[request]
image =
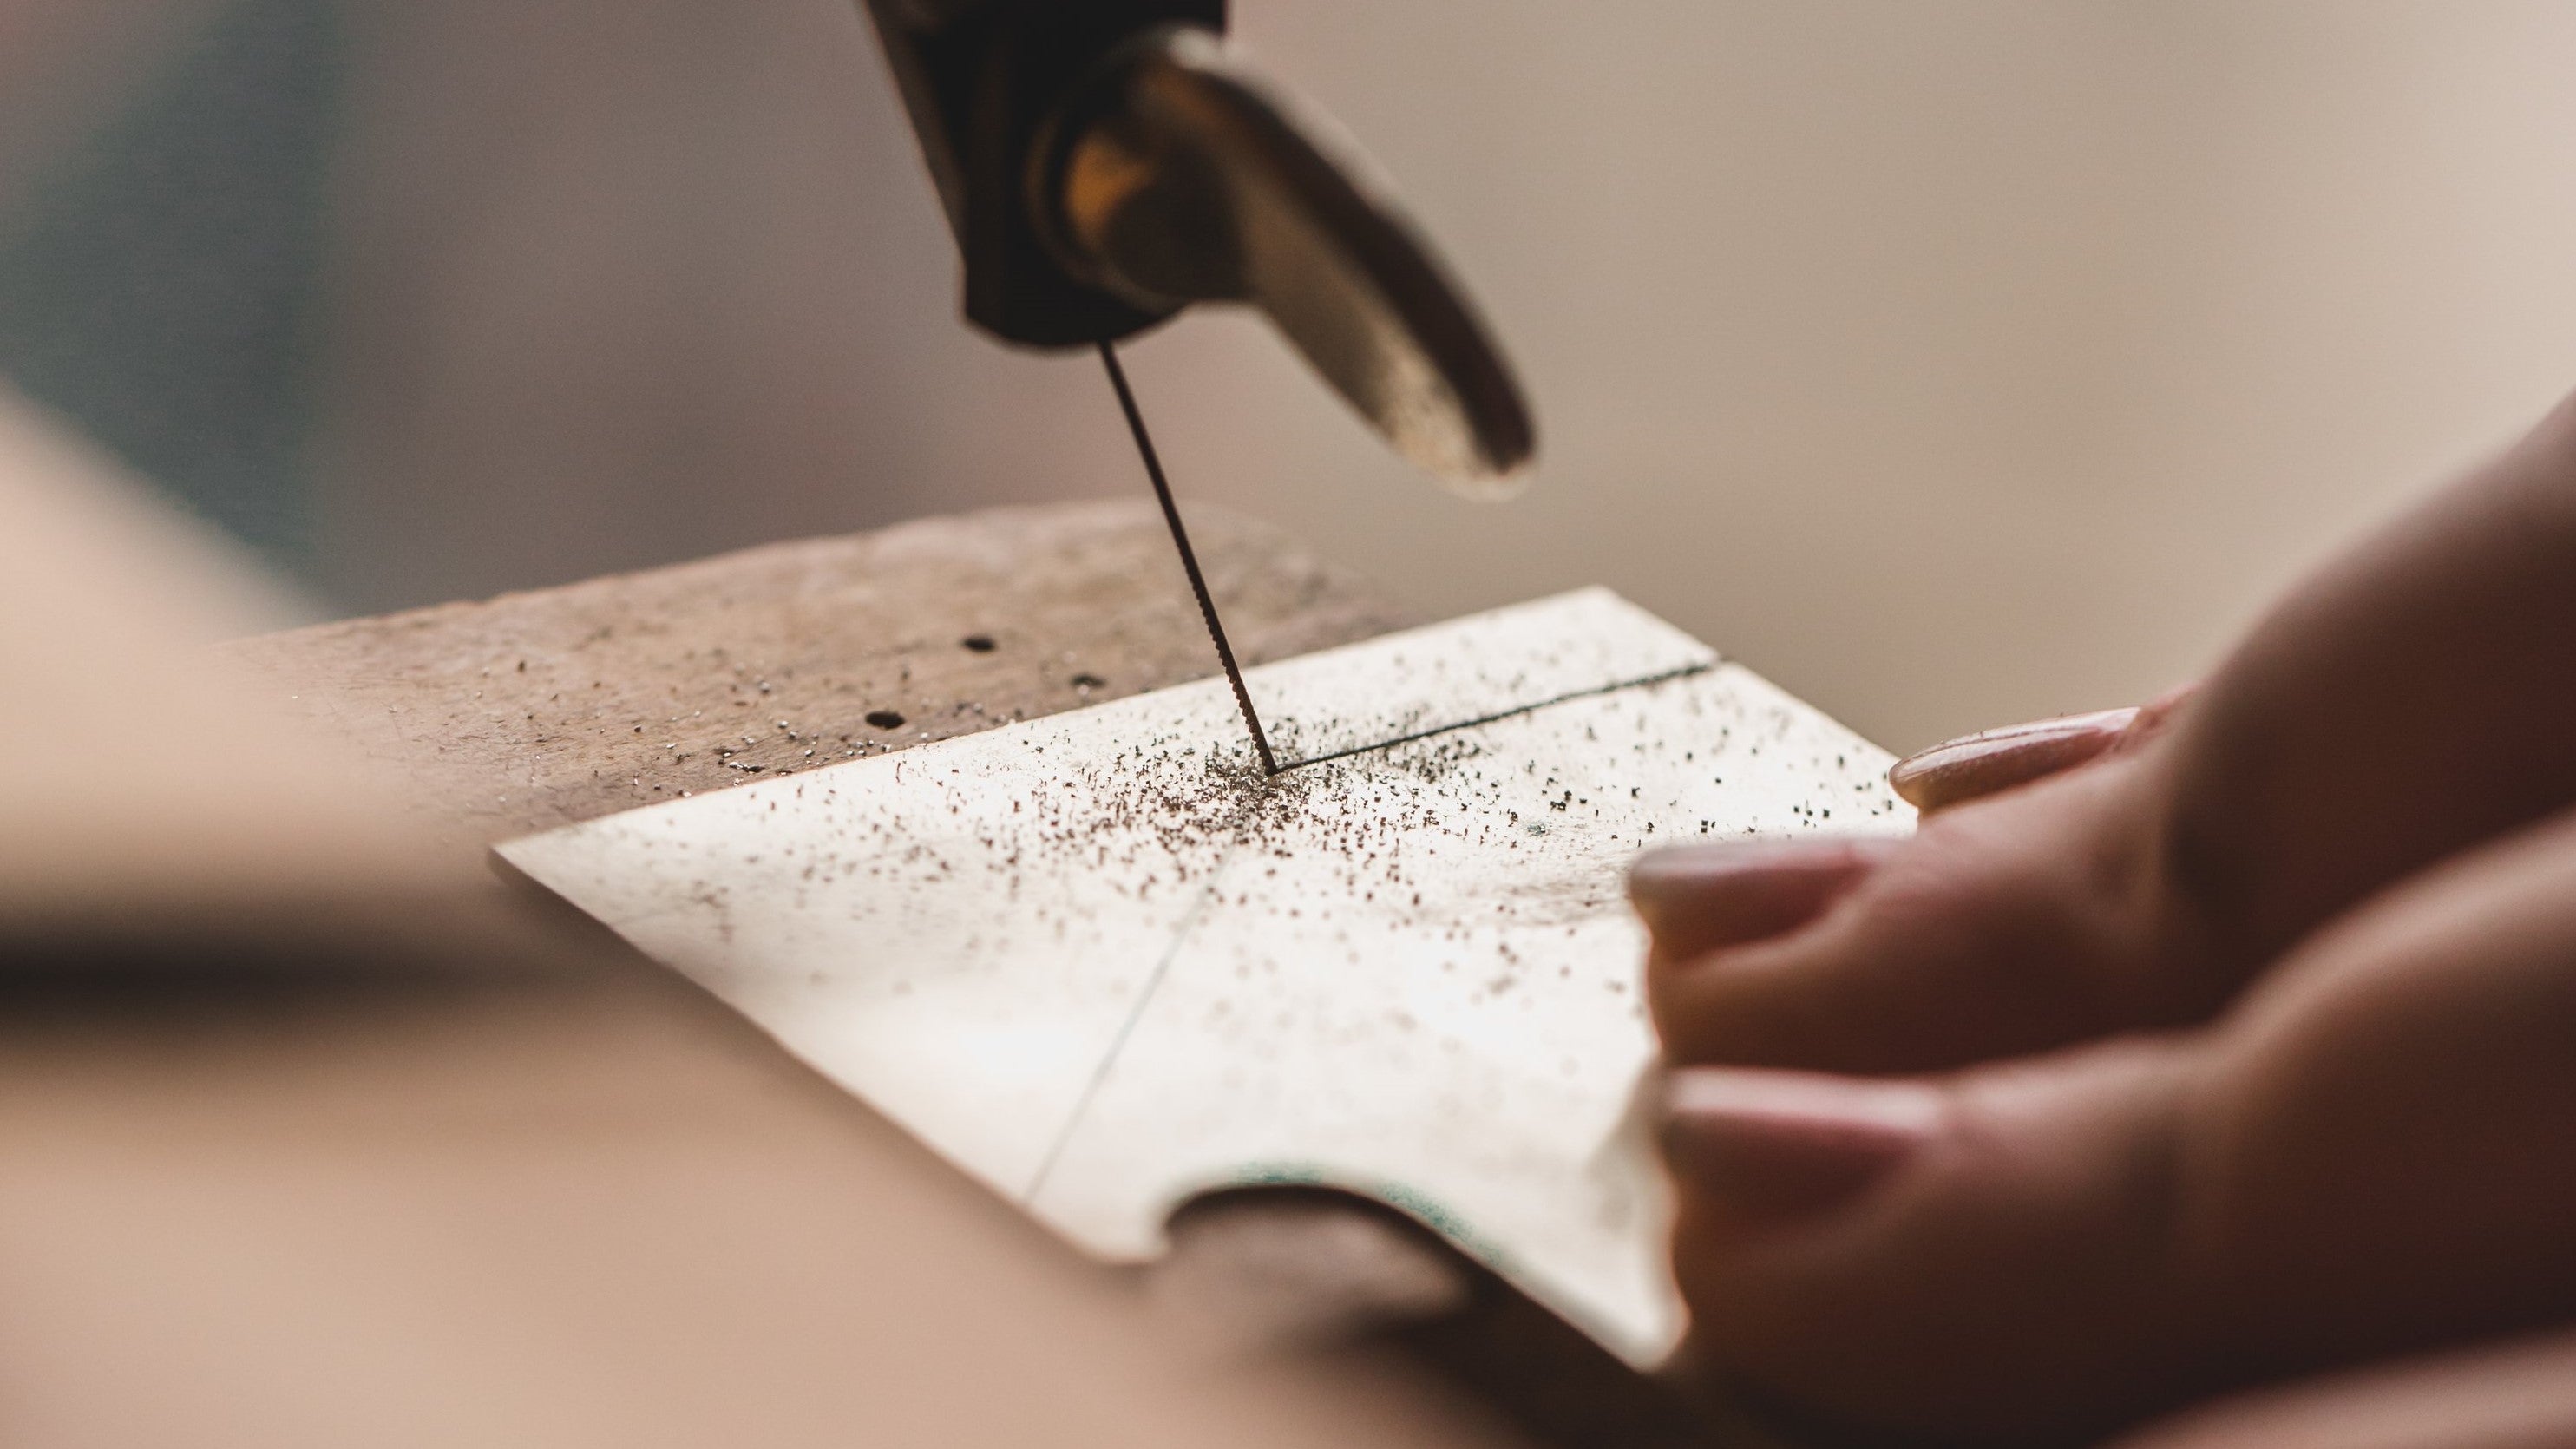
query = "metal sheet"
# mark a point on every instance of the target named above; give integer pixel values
(1099, 963)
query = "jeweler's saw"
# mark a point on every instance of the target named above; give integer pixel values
(1107, 163)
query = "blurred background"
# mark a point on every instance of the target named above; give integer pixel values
(1950, 364)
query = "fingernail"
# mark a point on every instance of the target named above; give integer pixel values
(1982, 764)
(1696, 898)
(2157, 714)
(1769, 1147)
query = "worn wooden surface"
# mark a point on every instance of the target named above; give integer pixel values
(539, 709)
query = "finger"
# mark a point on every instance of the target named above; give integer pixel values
(2366, 1158)
(2517, 1395)
(2009, 927)
(1983, 1258)
(2382, 1161)
(1696, 898)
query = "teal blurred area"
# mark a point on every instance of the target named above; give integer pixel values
(161, 277)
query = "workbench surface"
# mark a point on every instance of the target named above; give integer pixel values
(539, 709)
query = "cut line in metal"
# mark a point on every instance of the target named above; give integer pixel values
(1497, 717)
(1189, 556)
